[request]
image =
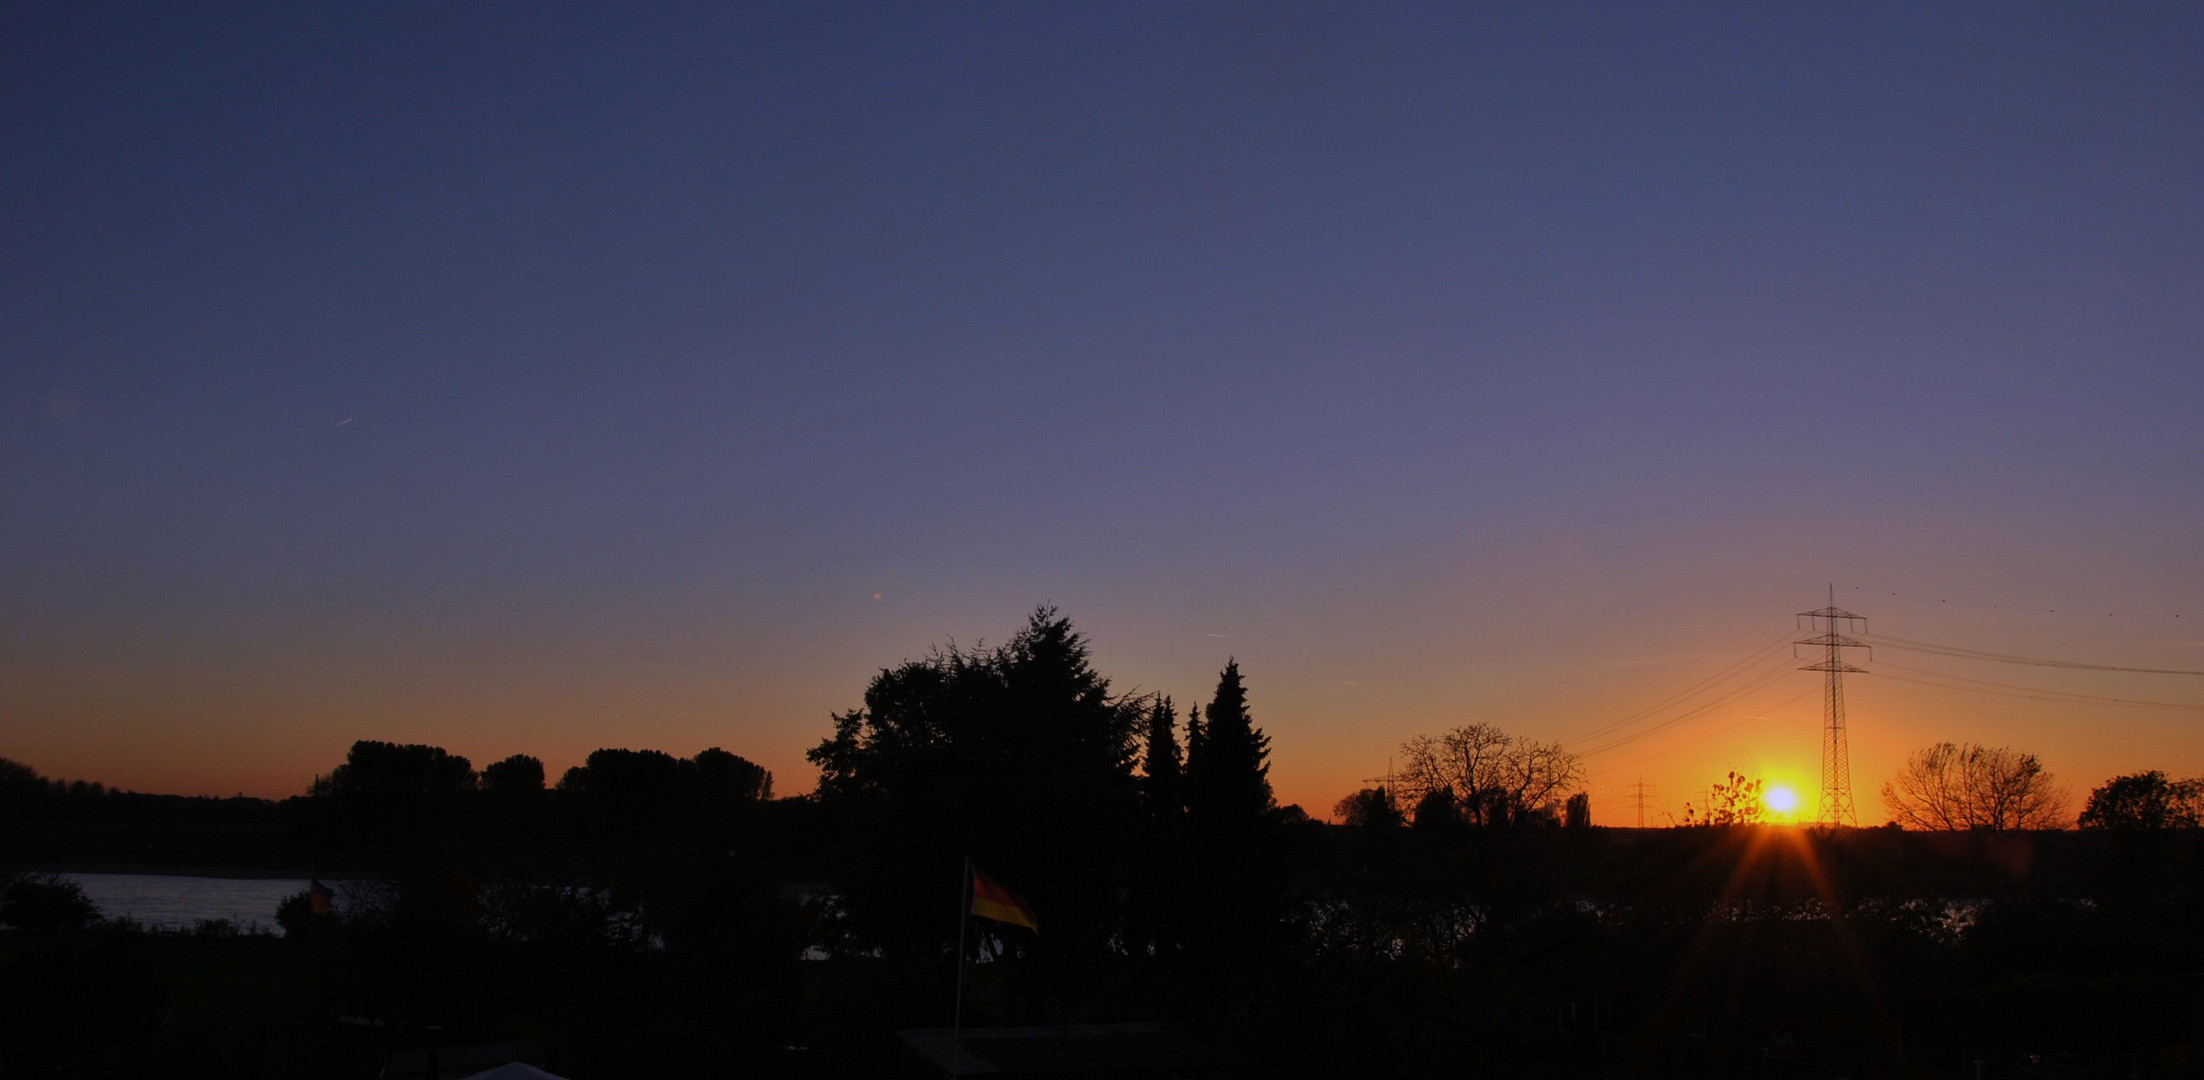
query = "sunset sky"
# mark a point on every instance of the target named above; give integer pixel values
(524, 378)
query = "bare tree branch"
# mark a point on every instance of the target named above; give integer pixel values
(1949, 787)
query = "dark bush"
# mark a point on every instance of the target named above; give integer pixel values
(299, 920)
(45, 903)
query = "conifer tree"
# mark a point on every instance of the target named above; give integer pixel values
(1228, 777)
(1196, 747)
(1160, 761)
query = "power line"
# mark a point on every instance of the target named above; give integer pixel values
(1757, 655)
(1718, 731)
(1984, 686)
(1758, 682)
(2046, 691)
(1930, 647)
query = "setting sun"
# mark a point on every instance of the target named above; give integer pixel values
(1782, 800)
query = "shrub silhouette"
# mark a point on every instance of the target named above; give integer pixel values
(296, 915)
(45, 903)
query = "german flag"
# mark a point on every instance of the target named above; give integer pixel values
(992, 901)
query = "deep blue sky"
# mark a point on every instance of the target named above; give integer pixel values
(534, 379)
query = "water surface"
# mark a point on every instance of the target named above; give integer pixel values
(177, 901)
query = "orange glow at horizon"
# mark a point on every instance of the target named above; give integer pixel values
(263, 717)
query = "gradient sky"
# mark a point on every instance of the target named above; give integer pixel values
(522, 378)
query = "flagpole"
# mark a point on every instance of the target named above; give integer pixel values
(964, 915)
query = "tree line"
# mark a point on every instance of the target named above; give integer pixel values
(386, 793)
(1478, 775)
(684, 919)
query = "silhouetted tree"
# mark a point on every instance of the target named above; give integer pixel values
(1161, 766)
(18, 779)
(1735, 801)
(1947, 787)
(1018, 756)
(727, 786)
(1495, 777)
(1233, 865)
(1437, 812)
(22, 793)
(1197, 742)
(514, 801)
(731, 778)
(623, 792)
(1369, 807)
(45, 903)
(2145, 802)
(1228, 771)
(387, 791)
(1156, 899)
(1578, 812)
(519, 775)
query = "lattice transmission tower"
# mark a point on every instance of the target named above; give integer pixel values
(1833, 624)
(1637, 798)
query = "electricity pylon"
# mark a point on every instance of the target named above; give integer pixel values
(1836, 756)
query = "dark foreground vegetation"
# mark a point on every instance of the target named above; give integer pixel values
(650, 915)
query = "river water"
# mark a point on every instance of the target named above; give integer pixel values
(177, 901)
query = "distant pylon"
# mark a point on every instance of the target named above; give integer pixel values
(1836, 756)
(1637, 797)
(1389, 784)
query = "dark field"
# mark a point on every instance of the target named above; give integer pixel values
(1382, 952)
